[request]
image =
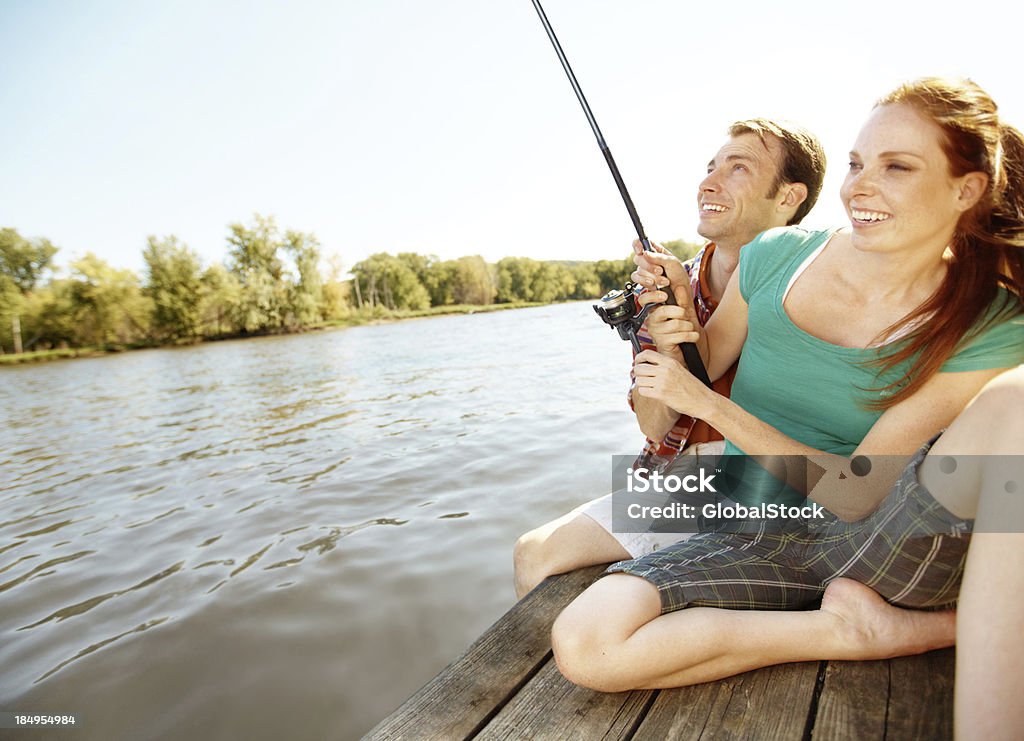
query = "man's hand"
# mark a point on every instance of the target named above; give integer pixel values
(659, 272)
(667, 380)
(657, 269)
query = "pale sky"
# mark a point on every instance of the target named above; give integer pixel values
(443, 126)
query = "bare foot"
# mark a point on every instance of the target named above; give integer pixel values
(871, 628)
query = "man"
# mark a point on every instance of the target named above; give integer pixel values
(767, 174)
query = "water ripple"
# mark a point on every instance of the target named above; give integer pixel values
(102, 644)
(83, 607)
(41, 569)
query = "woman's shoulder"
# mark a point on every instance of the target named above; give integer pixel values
(778, 250)
(997, 339)
(791, 236)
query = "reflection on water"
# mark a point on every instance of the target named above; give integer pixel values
(285, 537)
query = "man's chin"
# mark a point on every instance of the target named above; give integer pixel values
(709, 232)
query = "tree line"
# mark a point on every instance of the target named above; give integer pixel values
(270, 281)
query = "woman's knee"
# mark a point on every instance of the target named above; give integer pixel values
(532, 557)
(584, 651)
(991, 423)
(999, 403)
(589, 637)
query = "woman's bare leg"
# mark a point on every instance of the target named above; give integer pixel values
(989, 487)
(613, 636)
(990, 640)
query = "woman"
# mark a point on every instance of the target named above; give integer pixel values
(888, 329)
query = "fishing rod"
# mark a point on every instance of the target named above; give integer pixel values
(618, 308)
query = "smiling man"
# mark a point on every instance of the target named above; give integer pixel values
(767, 174)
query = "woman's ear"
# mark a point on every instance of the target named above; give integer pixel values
(972, 187)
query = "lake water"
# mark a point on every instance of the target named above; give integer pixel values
(286, 537)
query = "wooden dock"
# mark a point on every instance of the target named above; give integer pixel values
(506, 686)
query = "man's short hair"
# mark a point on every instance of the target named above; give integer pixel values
(803, 159)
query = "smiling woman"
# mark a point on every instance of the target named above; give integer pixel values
(952, 133)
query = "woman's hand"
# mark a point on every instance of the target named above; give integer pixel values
(667, 380)
(670, 326)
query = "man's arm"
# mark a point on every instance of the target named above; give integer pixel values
(655, 419)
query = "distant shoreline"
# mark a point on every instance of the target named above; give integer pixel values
(357, 319)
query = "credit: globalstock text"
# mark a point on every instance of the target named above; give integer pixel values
(720, 510)
(642, 480)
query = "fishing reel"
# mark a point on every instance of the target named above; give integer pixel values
(620, 311)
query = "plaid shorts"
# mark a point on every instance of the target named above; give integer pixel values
(911, 551)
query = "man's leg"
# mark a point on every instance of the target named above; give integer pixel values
(586, 536)
(571, 542)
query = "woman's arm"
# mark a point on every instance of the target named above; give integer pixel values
(850, 495)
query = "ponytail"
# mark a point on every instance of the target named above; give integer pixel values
(1007, 221)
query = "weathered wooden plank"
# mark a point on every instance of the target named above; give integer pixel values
(551, 707)
(902, 699)
(921, 696)
(853, 701)
(460, 699)
(770, 703)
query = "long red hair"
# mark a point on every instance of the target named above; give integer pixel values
(988, 245)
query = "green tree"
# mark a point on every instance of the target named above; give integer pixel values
(515, 278)
(681, 248)
(613, 274)
(385, 280)
(585, 281)
(22, 264)
(254, 259)
(336, 291)
(107, 303)
(440, 280)
(174, 283)
(220, 301)
(525, 279)
(12, 310)
(49, 317)
(305, 293)
(437, 277)
(551, 281)
(24, 261)
(473, 282)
